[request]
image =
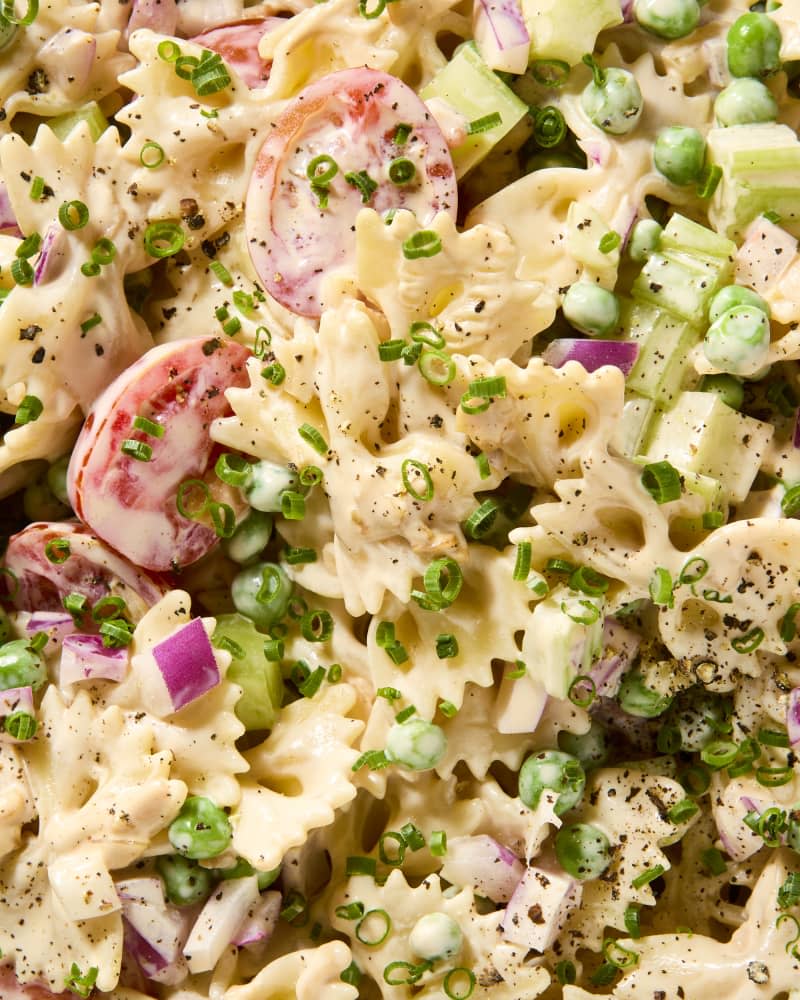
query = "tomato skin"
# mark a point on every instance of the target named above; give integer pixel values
(295, 238)
(91, 569)
(238, 46)
(131, 503)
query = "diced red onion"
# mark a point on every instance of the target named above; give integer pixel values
(8, 218)
(501, 35)
(598, 150)
(56, 624)
(84, 657)
(155, 931)
(539, 908)
(593, 354)
(68, 58)
(218, 923)
(51, 255)
(16, 700)
(626, 9)
(793, 717)
(261, 922)
(187, 664)
(157, 15)
(620, 645)
(485, 864)
(729, 807)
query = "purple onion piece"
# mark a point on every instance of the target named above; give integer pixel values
(50, 256)
(56, 624)
(626, 9)
(793, 717)
(157, 15)
(484, 863)
(8, 218)
(540, 905)
(593, 354)
(261, 922)
(84, 657)
(501, 35)
(16, 700)
(187, 664)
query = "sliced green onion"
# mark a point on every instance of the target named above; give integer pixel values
(789, 892)
(438, 843)
(366, 185)
(293, 505)
(748, 642)
(709, 180)
(29, 246)
(116, 633)
(351, 975)
(695, 780)
(694, 570)
(589, 582)
(73, 215)
(520, 669)
(273, 650)
(163, 239)
(397, 856)
(437, 367)
(210, 76)
(151, 155)
(788, 625)
(372, 12)
(76, 604)
(713, 860)
(403, 973)
(168, 51)
(313, 437)
(488, 388)
(309, 687)
(773, 777)
(648, 876)
(559, 566)
(397, 653)
(773, 738)
(182, 498)
(108, 607)
(582, 691)
(446, 646)
(402, 171)
(421, 487)
(682, 811)
(57, 550)
(352, 911)
(402, 133)
(294, 905)
(713, 519)
(391, 350)
(582, 612)
(334, 673)
(482, 461)
(37, 188)
(90, 269)
(472, 406)
(661, 587)
(604, 974)
(221, 272)
(485, 123)
(481, 521)
(549, 127)
(139, 450)
(148, 427)
(662, 482)
(233, 469)
(321, 170)
(618, 956)
(668, 739)
(522, 565)
(550, 72)
(609, 242)
(424, 243)
(405, 714)
(459, 984)
(274, 373)
(719, 753)
(413, 836)
(317, 625)
(359, 865)
(30, 409)
(631, 920)
(448, 709)
(565, 971)
(104, 251)
(21, 271)
(88, 324)
(223, 518)
(443, 580)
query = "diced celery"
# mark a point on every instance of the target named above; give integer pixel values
(682, 235)
(701, 434)
(760, 166)
(631, 431)
(686, 532)
(468, 85)
(662, 368)
(565, 29)
(90, 113)
(560, 648)
(682, 284)
(259, 678)
(585, 229)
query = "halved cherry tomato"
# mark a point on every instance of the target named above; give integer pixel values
(51, 559)
(125, 473)
(238, 46)
(352, 125)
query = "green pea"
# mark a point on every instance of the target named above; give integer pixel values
(268, 480)
(679, 154)
(735, 295)
(644, 240)
(636, 698)
(259, 678)
(591, 748)
(201, 829)
(435, 936)
(416, 744)
(745, 102)
(754, 46)
(613, 100)
(250, 537)
(20, 666)
(737, 342)
(57, 479)
(552, 769)
(667, 18)
(697, 716)
(583, 850)
(729, 389)
(262, 593)
(185, 882)
(591, 309)
(547, 159)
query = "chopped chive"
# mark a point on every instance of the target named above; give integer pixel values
(485, 123)
(438, 843)
(405, 714)
(424, 243)
(313, 437)
(648, 876)
(139, 450)
(221, 272)
(94, 320)
(662, 482)
(446, 646)
(148, 427)
(37, 188)
(448, 709)
(366, 185)
(609, 242)
(274, 373)
(391, 350)
(29, 410)
(358, 865)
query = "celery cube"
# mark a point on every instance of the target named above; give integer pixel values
(631, 431)
(90, 113)
(468, 85)
(565, 29)
(682, 284)
(662, 368)
(681, 235)
(701, 434)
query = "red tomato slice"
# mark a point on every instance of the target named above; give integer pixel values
(91, 569)
(238, 46)
(352, 117)
(131, 503)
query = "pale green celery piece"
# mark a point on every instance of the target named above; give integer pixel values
(632, 428)
(468, 85)
(662, 367)
(682, 284)
(760, 166)
(90, 113)
(563, 648)
(566, 29)
(703, 435)
(685, 236)
(260, 679)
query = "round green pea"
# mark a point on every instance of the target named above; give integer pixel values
(636, 698)
(185, 882)
(591, 309)
(200, 830)
(583, 850)
(267, 481)
(554, 770)
(754, 46)
(416, 744)
(667, 18)
(435, 936)
(250, 537)
(20, 666)
(57, 479)
(735, 295)
(737, 342)
(729, 389)
(679, 154)
(745, 102)
(262, 593)
(644, 240)
(615, 105)
(591, 748)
